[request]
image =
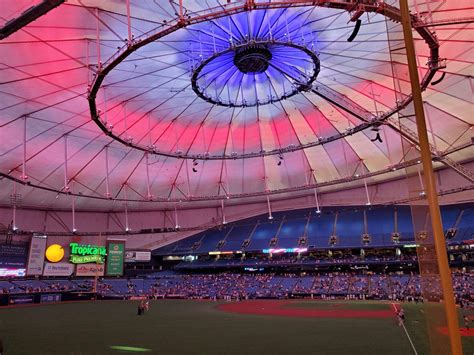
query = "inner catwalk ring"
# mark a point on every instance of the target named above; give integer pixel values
(270, 70)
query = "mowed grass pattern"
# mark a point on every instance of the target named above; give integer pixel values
(192, 327)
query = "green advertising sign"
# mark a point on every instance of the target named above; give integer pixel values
(85, 259)
(115, 258)
(86, 253)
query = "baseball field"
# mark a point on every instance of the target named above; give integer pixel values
(207, 327)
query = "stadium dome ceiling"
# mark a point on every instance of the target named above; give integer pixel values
(216, 101)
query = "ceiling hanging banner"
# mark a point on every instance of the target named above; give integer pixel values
(115, 257)
(36, 255)
(132, 256)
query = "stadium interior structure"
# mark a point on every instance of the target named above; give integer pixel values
(235, 150)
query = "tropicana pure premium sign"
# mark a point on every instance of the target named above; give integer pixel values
(86, 253)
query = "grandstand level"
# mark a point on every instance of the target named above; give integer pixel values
(236, 177)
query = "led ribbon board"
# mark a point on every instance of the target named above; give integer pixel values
(285, 250)
(86, 253)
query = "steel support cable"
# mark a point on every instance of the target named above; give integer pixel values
(339, 181)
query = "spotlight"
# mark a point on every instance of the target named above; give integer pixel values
(377, 136)
(422, 235)
(74, 230)
(366, 238)
(395, 237)
(281, 158)
(270, 217)
(451, 233)
(318, 211)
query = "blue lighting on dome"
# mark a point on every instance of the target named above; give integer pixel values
(253, 58)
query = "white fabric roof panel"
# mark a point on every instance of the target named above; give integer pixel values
(148, 100)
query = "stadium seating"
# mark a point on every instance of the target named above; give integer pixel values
(286, 228)
(245, 286)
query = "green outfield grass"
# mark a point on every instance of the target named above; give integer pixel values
(193, 327)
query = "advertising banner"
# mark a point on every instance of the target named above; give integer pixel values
(58, 269)
(12, 272)
(50, 297)
(13, 256)
(85, 259)
(115, 257)
(87, 253)
(132, 256)
(36, 255)
(135, 298)
(21, 299)
(90, 270)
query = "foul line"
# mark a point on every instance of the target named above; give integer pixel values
(406, 332)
